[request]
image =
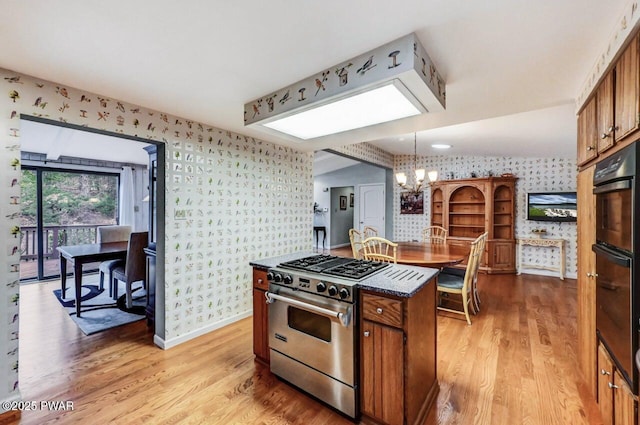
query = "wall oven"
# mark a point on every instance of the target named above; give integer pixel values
(616, 249)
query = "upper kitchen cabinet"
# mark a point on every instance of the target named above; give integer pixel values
(587, 133)
(626, 92)
(612, 116)
(604, 112)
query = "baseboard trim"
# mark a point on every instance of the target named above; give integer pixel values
(10, 416)
(170, 343)
(547, 273)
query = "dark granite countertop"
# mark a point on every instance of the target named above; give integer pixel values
(397, 279)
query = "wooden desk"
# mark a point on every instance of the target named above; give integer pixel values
(81, 254)
(431, 255)
(544, 243)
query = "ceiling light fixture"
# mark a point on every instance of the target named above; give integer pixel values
(401, 178)
(391, 82)
(440, 146)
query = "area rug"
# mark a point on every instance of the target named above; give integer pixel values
(99, 311)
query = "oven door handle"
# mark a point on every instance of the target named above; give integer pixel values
(612, 187)
(611, 255)
(344, 318)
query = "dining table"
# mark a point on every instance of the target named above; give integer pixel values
(79, 255)
(435, 255)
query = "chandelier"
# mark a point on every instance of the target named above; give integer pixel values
(401, 178)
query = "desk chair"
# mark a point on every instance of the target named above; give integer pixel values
(369, 231)
(434, 234)
(134, 269)
(108, 234)
(355, 238)
(463, 285)
(380, 249)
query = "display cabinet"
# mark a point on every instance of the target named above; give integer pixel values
(469, 207)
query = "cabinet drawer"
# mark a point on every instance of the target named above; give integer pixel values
(260, 279)
(382, 310)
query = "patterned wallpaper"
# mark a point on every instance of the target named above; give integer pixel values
(229, 199)
(534, 175)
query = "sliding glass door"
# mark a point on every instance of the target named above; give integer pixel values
(62, 207)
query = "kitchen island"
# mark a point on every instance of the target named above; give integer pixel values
(395, 337)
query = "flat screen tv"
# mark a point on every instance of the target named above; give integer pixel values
(552, 206)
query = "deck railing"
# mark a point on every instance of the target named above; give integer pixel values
(53, 237)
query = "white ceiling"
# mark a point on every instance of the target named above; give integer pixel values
(326, 162)
(58, 141)
(204, 60)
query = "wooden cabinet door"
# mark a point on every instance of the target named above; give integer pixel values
(587, 343)
(587, 133)
(260, 326)
(626, 97)
(606, 124)
(501, 256)
(605, 377)
(623, 402)
(382, 378)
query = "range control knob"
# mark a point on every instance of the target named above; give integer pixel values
(333, 290)
(277, 277)
(321, 287)
(269, 276)
(288, 280)
(344, 293)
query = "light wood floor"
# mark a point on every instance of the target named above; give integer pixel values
(514, 365)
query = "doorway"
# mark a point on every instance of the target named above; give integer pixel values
(342, 208)
(116, 150)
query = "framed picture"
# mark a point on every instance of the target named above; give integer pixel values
(351, 200)
(343, 202)
(411, 203)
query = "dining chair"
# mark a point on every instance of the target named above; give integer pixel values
(434, 234)
(355, 238)
(369, 231)
(106, 234)
(134, 269)
(380, 249)
(449, 283)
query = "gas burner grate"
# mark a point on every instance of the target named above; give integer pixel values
(335, 266)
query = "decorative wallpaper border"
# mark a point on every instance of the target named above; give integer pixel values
(627, 24)
(403, 59)
(230, 199)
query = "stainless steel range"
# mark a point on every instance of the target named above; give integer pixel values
(312, 318)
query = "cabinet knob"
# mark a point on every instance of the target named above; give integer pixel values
(379, 310)
(604, 372)
(604, 136)
(259, 281)
(590, 148)
(366, 333)
(613, 387)
(592, 274)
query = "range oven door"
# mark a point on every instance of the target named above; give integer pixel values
(312, 343)
(313, 330)
(616, 323)
(614, 214)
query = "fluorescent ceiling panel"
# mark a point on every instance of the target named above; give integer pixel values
(382, 104)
